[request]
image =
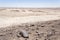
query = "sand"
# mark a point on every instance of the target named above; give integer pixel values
(41, 24)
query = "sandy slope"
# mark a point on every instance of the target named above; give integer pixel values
(8, 21)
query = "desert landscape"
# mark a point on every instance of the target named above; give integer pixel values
(29, 23)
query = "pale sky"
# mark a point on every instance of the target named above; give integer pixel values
(30, 3)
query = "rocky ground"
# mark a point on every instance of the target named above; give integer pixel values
(49, 30)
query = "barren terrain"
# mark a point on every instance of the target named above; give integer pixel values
(39, 23)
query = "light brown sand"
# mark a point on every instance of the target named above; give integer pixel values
(41, 24)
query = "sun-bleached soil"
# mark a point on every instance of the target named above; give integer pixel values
(40, 24)
(8, 21)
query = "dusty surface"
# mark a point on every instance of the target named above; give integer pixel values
(21, 12)
(8, 21)
(41, 24)
(49, 30)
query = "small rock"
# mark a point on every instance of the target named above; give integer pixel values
(24, 34)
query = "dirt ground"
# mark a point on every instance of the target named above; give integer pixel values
(21, 12)
(39, 23)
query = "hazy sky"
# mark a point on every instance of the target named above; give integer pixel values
(29, 3)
